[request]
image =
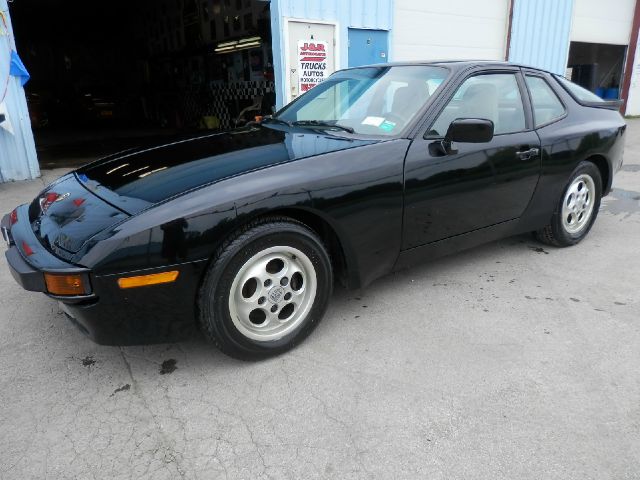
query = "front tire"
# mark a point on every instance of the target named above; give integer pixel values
(266, 290)
(577, 209)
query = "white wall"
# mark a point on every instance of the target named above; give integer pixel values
(596, 21)
(450, 29)
(633, 100)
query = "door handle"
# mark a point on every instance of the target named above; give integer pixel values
(528, 154)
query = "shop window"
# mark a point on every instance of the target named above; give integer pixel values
(236, 23)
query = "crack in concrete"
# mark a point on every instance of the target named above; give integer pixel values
(171, 456)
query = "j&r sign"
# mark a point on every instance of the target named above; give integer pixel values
(312, 64)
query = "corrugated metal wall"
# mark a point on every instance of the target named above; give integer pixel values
(359, 13)
(18, 160)
(540, 33)
(375, 14)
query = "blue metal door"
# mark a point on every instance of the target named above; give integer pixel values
(367, 47)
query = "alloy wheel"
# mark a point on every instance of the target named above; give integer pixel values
(272, 293)
(577, 207)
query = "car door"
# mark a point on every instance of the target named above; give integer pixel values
(476, 185)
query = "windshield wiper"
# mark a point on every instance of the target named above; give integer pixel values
(322, 123)
(277, 120)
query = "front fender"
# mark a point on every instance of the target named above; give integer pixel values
(358, 192)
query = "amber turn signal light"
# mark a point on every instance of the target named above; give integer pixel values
(145, 280)
(63, 284)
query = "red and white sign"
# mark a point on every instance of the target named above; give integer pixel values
(312, 64)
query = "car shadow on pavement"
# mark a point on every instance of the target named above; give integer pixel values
(197, 353)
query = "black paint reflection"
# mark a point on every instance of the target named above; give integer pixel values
(174, 247)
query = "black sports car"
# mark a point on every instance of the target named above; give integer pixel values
(245, 232)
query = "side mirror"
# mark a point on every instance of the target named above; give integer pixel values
(470, 130)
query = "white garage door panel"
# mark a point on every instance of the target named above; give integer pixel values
(418, 52)
(596, 21)
(420, 28)
(471, 8)
(454, 29)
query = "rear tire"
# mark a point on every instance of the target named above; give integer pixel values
(266, 290)
(577, 208)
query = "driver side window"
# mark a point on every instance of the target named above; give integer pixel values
(494, 97)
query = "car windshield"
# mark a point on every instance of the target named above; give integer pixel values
(371, 100)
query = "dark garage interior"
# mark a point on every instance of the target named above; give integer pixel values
(106, 76)
(597, 67)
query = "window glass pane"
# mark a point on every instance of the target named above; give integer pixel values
(578, 92)
(494, 97)
(372, 100)
(546, 105)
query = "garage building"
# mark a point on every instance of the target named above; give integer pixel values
(109, 75)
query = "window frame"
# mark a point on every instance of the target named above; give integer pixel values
(533, 73)
(448, 95)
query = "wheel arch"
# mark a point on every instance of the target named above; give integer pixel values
(338, 247)
(343, 259)
(604, 167)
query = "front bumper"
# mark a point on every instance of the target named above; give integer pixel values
(27, 277)
(109, 315)
(29, 270)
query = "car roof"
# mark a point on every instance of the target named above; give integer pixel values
(455, 64)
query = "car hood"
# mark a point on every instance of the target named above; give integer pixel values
(136, 180)
(65, 215)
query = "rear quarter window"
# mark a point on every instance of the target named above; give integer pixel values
(547, 107)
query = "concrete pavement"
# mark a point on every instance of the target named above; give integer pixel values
(509, 361)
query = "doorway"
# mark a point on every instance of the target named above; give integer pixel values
(597, 67)
(368, 47)
(311, 55)
(112, 75)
